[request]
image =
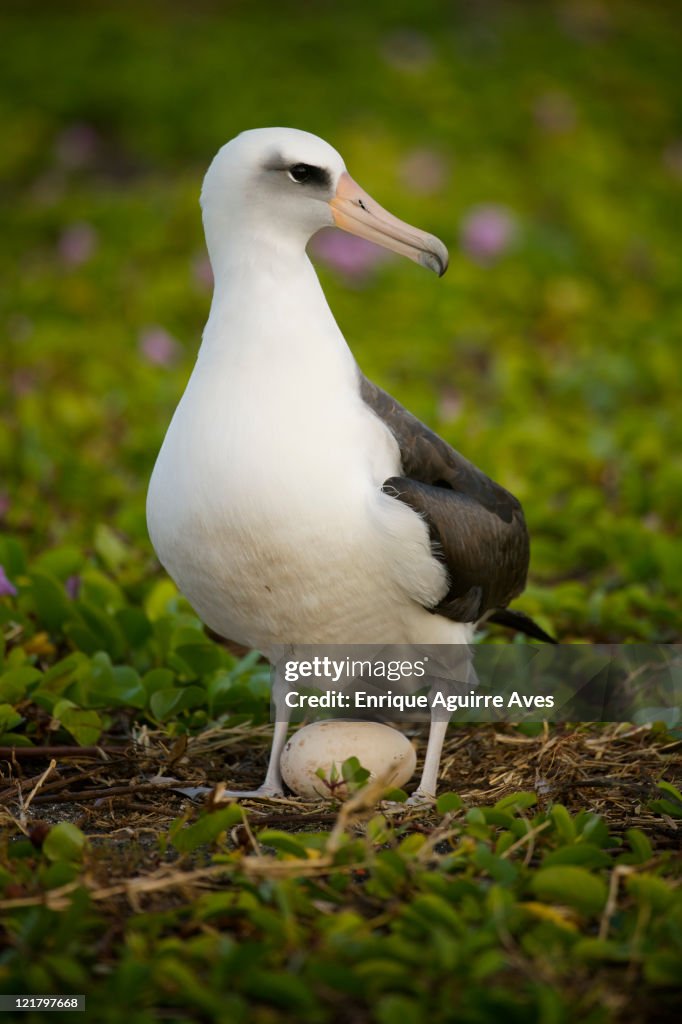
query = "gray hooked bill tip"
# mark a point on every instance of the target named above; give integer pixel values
(436, 261)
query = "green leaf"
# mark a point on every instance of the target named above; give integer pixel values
(109, 686)
(593, 949)
(207, 829)
(214, 903)
(378, 829)
(530, 728)
(202, 658)
(226, 693)
(388, 874)
(60, 562)
(399, 1009)
(499, 818)
(671, 806)
(448, 802)
(157, 600)
(127, 687)
(85, 726)
(12, 557)
(436, 911)
(64, 842)
(110, 548)
(492, 961)
(164, 704)
(53, 607)
(287, 991)
(62, 674)
(99, 590)
(134, 625)
(516, 802)
(353, 772)
(650, 889)
(640, 845)
(673, 791)
(590, 828)
(396, 796)
(504, 842)
(572, 886)
(500, 869)
(58, 873)
(15, 683)
(104, 628)
(411, 845)
(283, 842)
(673, 810)
(158, 679)
(14, 739)
(663, 968)
(563, 823)
(583, 854)
(477, 826)
(9, 718)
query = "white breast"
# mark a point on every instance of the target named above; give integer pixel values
(265, 504)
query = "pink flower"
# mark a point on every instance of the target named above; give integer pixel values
(77, 244)
(353, 257)
(7, 588)
(76, 146)
(159, 347)
(23, 381)
(672, 159)
(487, 232)
(449, 404)
(555, 113)
(423, 171)
(20, 327)
(407, 50)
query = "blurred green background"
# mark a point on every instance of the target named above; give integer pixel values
(542, 142)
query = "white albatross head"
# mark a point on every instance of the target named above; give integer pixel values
(281, 185)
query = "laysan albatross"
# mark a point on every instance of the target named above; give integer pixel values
(293, 501)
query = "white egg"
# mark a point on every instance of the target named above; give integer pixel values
(383, 751)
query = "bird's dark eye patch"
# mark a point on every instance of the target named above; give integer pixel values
(306, 173)
(300, 172)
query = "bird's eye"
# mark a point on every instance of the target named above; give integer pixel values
(300, 172)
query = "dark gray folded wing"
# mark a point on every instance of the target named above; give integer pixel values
(477, 528)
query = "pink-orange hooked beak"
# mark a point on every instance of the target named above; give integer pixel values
(355, 211)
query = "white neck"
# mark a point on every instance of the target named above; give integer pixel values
(270, 319)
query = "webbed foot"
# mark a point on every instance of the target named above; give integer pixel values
(420, 798)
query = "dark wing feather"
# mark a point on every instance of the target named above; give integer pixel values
(477, 528)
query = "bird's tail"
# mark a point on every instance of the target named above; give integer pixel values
(521, 622)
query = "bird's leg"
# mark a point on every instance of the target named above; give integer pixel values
(272, 785)
(440, 719)
(426, 790)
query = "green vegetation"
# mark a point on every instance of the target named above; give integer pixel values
(449, 925)
(542, 143)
